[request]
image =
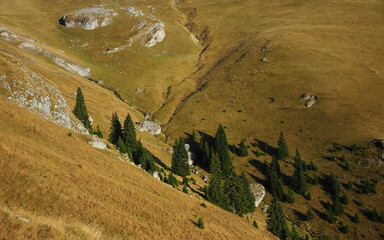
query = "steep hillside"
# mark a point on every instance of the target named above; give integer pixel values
(57, 186)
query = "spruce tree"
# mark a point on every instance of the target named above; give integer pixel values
(172, 180)
(330, 215)
(200, 224)
(275, 165)
(276, 222)
(215, 191)
(80, 110)
(255, 224)
(309, 216)
(338, 208)
(275, 183)
(282, 151)
(180, 164)
(115, 130)
(356, 218)
(129, 133)
(221, 148)
(294, 233)
(193, 135)
(334, 185)
(298, 179)
(249, 205)
(121, 146)
(98, 132)
(243, 150)
(290, 197)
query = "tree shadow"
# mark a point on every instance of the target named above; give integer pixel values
(259, 180)
(265, 147)
(301, 216)
(321, 215)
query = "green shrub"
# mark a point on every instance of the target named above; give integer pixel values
(200, 224)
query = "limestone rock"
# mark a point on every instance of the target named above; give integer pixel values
(258, 191)
(156, 175)
(97, 143)
(88, 18)
(308, 99)
(149, 127)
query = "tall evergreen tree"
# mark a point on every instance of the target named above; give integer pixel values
(298, 180)
(275, 165)
(243, 150)
(129, 133)
(337, 206)
(215, 166)
(115, 130)
(121, 146)
(282, 150)
(80, 110)
(275, 182)
(180, 164)
(276, 222)
(330, 215)
(333, 185)
(294, 233)
(249, 205)
(222, 149)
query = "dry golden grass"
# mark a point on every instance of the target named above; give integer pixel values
(43, 182)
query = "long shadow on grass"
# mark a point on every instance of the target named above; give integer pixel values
(265, 147)
(320, 214)
(299, 215)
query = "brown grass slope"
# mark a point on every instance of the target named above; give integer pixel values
(329, 49)
(69, 190)
(106, 197)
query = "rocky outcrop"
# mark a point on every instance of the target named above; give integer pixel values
(308, 99)
(149, 127)
(88, 18)
(97, 143)
(146, 29)
(31, 91)
(27, 43)
(258, 191)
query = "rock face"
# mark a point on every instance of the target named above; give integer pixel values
(32, 92)
(88, 18)
(308, 99)
(149, 127)
(146, 29)
(258, 191)
(27, 43)
(97, 143)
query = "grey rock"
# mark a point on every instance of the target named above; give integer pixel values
(258, 192)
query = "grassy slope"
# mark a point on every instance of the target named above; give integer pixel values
(105, 197)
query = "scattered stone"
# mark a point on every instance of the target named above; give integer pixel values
(23, 219)
(264, 60)
(265, 208)
(149, 127)
(156, 175)
(205, 178)
(195, 172)
(258, 191)
(141, 90)
(97, 143)
(266, 46)
(379, 143)
(308, 99)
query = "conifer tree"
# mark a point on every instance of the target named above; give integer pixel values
(129, 133)
(200, 223)
(312, 166)
(282, 151)
(275, 165)
(121, 146)
(356, 218)
(115, 130)
(180, 164)
(249, 205)
(290, 197)
(172, 180)
(80, 110)
(221, 148)
(215, 166)
(243, 150)
(255, 224)
(330, 214)
(275, 183)
(334, 185)
(193, 135)
(298, 180)
(309, 216)
(98, 132)
(294, 233)
(276, 222)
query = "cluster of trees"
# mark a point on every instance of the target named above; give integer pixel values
(226, 189)
(334, 190)
(124, 138)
